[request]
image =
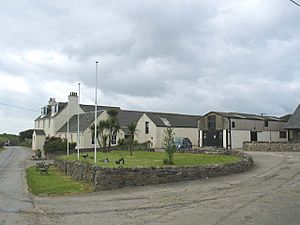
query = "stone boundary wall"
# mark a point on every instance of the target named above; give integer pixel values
(271, 146)
(113, 178)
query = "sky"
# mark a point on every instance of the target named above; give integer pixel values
(187, 56)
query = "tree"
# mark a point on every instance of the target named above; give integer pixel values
(113, 125)
(169, 144)
(26, 134)
(132, 131)
(102, 126)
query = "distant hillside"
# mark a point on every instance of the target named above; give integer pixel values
(12, 138)
(286, 117)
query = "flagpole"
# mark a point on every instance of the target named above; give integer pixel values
(95, 131)
(78, 135)
(68, 131)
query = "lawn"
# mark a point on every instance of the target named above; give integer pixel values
(153, 159)
(1, 149)
(55, 183)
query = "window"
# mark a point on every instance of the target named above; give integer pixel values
(114, 139)
(233, 124)
(43, 111)
(146, 127)
(54, 109)
(93, 141)
(282, 134)
(266, 123)
(212, 122)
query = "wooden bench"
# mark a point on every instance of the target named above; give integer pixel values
(39, 165)
(44, 169)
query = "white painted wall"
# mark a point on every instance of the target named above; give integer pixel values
(238, 137)
(191, 133)
(141, 135)
(272, 136)
(224, 138)
(38, 141)
(201, 140)
(264, 136)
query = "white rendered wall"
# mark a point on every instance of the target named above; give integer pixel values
(238, 137)
(141, 135)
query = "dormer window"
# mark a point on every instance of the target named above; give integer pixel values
(54, 109)
(43, 111)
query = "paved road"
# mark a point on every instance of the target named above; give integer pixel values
(267, 194)
(14, 200)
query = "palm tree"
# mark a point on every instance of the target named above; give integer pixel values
(92, 130)
(113, 125)
(101, 127)
(132, 130)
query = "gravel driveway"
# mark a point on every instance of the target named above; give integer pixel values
(267, 194)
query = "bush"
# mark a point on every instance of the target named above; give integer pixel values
(167, 162)
(123, 142)
(55, 144)
(169, 144)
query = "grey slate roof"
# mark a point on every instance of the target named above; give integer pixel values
(91, 108)
(125, 117)
(236, 115)
(39, 132)
(294, 121)
(85, 121)
(173, 120)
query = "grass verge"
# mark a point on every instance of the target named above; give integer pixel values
(55, 183)
(153, 159)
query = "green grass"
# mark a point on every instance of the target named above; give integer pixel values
(55, 183)
(154, 159)
(1, 149)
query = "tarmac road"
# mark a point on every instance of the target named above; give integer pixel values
(14, 200)
(269, 194)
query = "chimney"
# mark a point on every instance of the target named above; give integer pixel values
(52, 102)
(73, 102)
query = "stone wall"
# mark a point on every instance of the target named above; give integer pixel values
(272, 146)
(113, 178)
(77, 170)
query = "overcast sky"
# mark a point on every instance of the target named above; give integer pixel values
(172, 56)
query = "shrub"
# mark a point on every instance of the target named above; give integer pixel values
(123, 142)
(167, 162)
(55, 144)
(169, 144)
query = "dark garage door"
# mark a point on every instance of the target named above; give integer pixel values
(213, 138)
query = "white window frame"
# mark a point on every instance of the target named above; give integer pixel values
(113, 139)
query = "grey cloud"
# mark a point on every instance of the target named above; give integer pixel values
(189, 57)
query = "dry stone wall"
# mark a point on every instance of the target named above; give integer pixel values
(113, 178)
(272, 146)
